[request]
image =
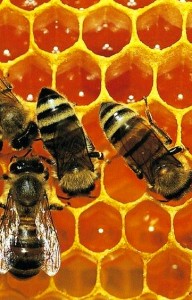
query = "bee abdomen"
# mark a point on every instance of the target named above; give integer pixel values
(27, 254)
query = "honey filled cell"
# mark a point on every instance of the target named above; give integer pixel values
(18, 35)
(160, 27)
(106, 31)
(55, 30)
(129, 79)
(79, 78)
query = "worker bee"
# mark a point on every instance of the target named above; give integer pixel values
(140, 143)
(64, 138)
(28, 240)
(14, 123)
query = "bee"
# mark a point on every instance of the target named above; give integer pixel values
(140, 143)
(14, 123)
(64, 138)
(28, 240)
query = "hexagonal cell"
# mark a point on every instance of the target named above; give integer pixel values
(160, 26)
(163, 117)
(135, 4)
(174, 79)
(79, 78)
(128, 79)
(122, 273)
(150, 225)
(55, 29)
(37, 285)
(186, 124)
(28, 4)
(100, 227)
(168, 273)
(77, 275)
(16, 35)
(64, 222)
(80, 4)
(106, 31)
(29, 76)
(183, 227)
(189, 26)
(121, 183)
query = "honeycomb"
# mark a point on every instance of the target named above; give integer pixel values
(122, 243)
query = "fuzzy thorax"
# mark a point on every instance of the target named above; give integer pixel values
(78, 182)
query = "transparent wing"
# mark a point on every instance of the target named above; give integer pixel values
(46, 232)
(8, 234)
(6, 91)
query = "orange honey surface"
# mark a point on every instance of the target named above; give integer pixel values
(121, 242)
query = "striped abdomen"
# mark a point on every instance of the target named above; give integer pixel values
(131, 136)
(27, 253)
(52, 109)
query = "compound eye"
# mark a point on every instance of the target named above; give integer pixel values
(38, 167)
(17, 167)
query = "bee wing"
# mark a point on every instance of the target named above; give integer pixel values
(6, 92)
(46, 232)
(8, 233)
(71, 146)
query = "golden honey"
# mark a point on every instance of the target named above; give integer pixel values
(121, 243)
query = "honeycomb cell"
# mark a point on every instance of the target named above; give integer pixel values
(186, 125)
(189, 27)
(36, 285)
(106, 31)
(160, 26)
(122, 273)
(77, 274)
(55, 29)
(163, 117)
(11, 35)
(98, 297)
(135, 4)
(80, 4)
(183, 226)
(147, 226)
(64, 223)
(28, 4)
(168, 273)
(121, 183)
(79, 78)
(100, 227)
(128, 79)
(29, 75)
(174, 79)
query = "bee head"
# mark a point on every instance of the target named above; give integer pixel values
(172, 181)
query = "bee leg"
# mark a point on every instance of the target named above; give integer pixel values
(175, 150)
(167, 138)
(55, 207)
(96, 154)
(1, 140)
(2, 205)
(48, 160)
(137, 171)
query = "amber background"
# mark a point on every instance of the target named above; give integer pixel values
(122, 244)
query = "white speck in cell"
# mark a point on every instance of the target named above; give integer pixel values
(7, 53)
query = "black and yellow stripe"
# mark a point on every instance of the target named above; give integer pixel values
(52, 109)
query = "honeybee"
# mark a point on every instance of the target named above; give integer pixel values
(28, 240)
(140, 143)
(64, 138)
(14, 123)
